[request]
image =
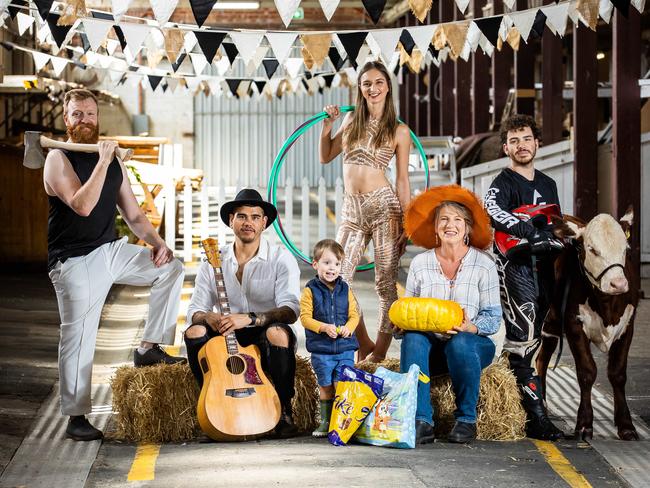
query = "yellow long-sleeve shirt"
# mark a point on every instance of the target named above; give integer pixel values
(307, 312)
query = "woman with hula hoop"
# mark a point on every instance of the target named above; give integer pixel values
(372, 209)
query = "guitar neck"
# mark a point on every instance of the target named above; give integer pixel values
(224, 307)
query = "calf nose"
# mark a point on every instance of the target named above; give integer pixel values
(619, 285)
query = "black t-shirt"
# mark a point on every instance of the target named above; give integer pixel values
(68, 233)
(510, 190)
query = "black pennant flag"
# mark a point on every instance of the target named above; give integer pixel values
(84, 41)
(164, 87)
(328, 80)
(209, 42)
(179, 61)
(270, 65)
(335, 58)
(44, 7)
(407, 41)
(434, 52)
(231, 52)
(154, 81)
(14, 7)
(59, 32)
(537, 30)
(120, 36)
(352, 43)
(233, 85)
(374, 8)
(490, 28)
(201, 9)
(260, 86)
(622, 6)
(96, 14)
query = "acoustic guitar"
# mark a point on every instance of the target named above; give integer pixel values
(237, 401)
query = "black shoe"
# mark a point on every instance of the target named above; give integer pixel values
(79, 429)
(541, 427)
(424, 433)
(155, 355)
(462, 432)
(538, 425)
(285, 428)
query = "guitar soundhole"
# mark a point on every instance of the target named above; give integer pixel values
(235, 365)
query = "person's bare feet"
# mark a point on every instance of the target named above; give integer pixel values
(365, 351)
(374, 358)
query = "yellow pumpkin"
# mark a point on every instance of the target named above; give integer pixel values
(425, 314)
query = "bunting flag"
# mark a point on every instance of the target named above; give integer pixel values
(523, 21)
(163, 10)
(84, 42)
(537, 31)
(588, 11)
(307, 59)
(119, 8)
(174, 40)
(387, 41)
(462, 5)
(281, 44)
(209, 43)
(422, 36)
(420, 8)
(154, 81)
(286, 9)
(453, 35)
(352, 43)
(222, 65)
(43, 7)
(270, 66)
(176, 64)
(336, 59)
(490, 27)
(510, 4)
(317, 45)
(233, 84)
(120, 36)
(96, 31)
(58, 64)
(231, 52)
(198, 62)
(328, 80)
(73, 10)
(59, 32)
(260, 54)
(556, 16)
(623, 6)
(201, 10)
(246, 43)
(24, 22)
(260, 86)
(292, 66)
(374, 8)
(5, 3)
(40, 60)
(329, 7)
(135, 35)
(605, 10)
(15, 6)
(407, 41)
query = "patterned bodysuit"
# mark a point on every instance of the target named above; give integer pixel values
(375, 215)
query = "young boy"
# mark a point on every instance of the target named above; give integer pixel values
(328, 312)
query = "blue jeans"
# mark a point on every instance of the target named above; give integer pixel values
(463, 356)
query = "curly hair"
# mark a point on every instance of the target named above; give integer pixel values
(517, 122)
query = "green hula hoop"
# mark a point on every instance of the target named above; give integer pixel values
(279, 161)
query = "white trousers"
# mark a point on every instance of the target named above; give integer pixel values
(82, 284)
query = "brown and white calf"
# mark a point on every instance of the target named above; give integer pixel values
(594, 304)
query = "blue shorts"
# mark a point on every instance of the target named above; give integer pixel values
(328, 366)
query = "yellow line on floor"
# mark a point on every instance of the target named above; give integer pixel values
(561, 465)
(144, 464)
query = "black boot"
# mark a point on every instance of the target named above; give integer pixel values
(193, 347)
(538, 425)
(424, 432)
(79, 429)
(285, 428)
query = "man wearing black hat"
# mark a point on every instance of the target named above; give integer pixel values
(263, 286)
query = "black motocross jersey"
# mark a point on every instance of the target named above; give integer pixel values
(510, 190)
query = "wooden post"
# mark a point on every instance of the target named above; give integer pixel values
(585, 123)
(552, 83)
(412, 84)
(434, 73)
(501, 74)
(447, 71)
(480, 83)
(525, 72)
(626, 146)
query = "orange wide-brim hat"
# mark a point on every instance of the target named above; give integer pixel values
(418, 219)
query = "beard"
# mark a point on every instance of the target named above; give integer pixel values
(83, 133)
(524, 159)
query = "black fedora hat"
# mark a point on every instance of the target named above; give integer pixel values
(249, 198)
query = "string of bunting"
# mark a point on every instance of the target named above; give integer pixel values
(179, 45)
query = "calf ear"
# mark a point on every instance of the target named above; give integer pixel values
(627, 220)
(567, 227)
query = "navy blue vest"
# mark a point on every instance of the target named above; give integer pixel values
(331, 307)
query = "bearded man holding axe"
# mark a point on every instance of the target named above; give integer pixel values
(85, 258)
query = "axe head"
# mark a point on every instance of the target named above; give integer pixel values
(34, 158)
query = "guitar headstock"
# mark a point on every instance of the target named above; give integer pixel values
(211, 247)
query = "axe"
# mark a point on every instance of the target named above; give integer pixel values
(35, 142)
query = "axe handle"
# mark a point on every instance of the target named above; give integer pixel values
(46, 142)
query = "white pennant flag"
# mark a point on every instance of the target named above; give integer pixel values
(115, 75)
(222, 65)
(639, 5)
(509, 3)
(215, 86)
(134, 80)
(96, 32)
(59, 65)
(422, 35)
(40, 60)
(24, 22)
(281, 43)
(105, 61)
(260, 52)
(573, 12)
(329, 7)
(295, 83)
(473, 36)
(163, 10)
(524, 22)
(192, 83)
(274, 84)
(111, 46)
(486, 45)
(135, 34)
(293, 65)
(198, 62)
(556, 16)
(3, 6)
(286, 9)
(172, 83)
(119, 8)
(462, 5)
(247, 43)
(605, 9)
(43, 33)
(91, 58)
(352, 75)
(387, 41)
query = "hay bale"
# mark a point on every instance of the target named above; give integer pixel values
(155, 403)
(370, 367)
(158, 403)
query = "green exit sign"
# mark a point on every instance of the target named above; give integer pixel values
(299, 14)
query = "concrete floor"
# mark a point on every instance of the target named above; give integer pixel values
(29, 330)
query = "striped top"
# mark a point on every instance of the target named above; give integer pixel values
(475, 287)
(365, 154)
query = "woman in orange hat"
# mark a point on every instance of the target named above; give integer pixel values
(451, 222)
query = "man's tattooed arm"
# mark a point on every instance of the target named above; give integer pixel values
(281, 315)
